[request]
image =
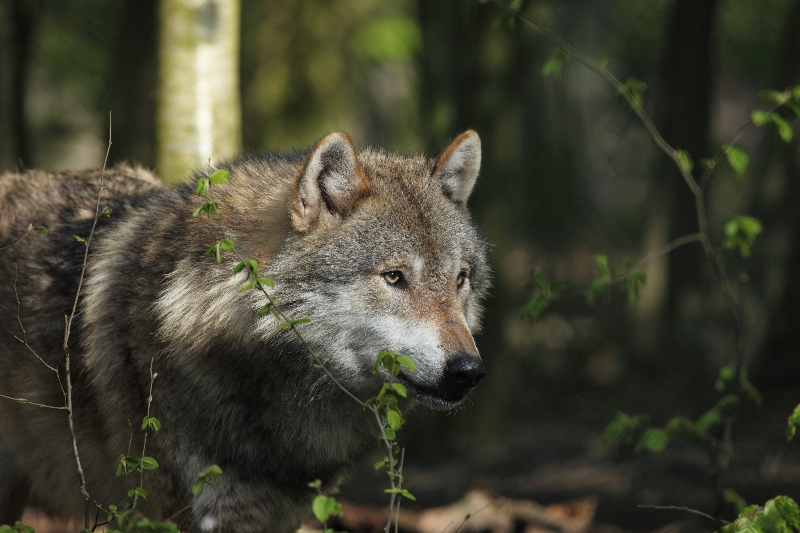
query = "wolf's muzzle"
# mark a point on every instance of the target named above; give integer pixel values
(464, 371)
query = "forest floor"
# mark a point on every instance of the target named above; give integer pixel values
(558, 460)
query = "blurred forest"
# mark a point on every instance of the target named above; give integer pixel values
(568, 172)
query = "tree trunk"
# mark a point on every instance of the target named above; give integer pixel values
(199, 115)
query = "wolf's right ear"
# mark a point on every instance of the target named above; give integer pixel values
(331, 185)
(458, 165)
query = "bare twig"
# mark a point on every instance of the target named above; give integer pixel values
(67, 329)
(28, 402)
(685, 509)
(24, 339)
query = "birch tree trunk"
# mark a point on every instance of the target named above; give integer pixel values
(199, 114)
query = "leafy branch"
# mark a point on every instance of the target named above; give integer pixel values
(383, 406)
(738, 233)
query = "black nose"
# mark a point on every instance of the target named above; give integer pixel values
(465, 370)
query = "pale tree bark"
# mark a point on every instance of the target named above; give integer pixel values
(199, 114)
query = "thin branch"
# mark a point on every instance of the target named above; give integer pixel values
(588, 62)
(28, 402)
(144, 442)
(685, 509)
(68, 327)
(24, 339)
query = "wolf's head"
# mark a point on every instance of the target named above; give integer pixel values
(384, 255)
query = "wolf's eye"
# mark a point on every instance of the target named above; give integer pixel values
(462, 277)
(394, 278)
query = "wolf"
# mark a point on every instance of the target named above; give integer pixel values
(377, 249)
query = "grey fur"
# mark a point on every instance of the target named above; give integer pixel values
(233, 388)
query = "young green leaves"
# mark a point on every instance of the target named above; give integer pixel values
(741, 232)
(210, 206)
(205, 478)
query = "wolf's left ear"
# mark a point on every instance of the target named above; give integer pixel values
(458, 165)
(332, 183)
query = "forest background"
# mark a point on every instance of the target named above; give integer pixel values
(568, 173)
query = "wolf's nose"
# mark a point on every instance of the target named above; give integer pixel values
(465, 370)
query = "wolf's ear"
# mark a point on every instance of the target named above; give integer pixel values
(331, 184)
(458, 165)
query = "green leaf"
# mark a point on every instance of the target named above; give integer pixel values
(792, 423)
(151, 422)
(634, 281)
(238, 268)
(402, 492)
(399, 389)
(784, 128)
(653, 440)
(325, 506)
(622, 427)
(394, 418)
(726, 373)
(149, 463)
(407, 362)
(41, 229)
(555, 65)
(737, 159)
(601, 260)
(219, 176)
(789, 510)
(707, 420)
(597, 288)
(214, 250)
(105, 213)
(390, 434)
(684, 161)
(138, 492)
(202, 187)
(634, 89)
(732, 497)
(227, 245)
(204, 478)
(759, 117)
(266, 281)
(265, 308)
(740, 232)
(316, 484)
(80, 240)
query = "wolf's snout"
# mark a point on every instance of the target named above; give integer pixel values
(464, 370)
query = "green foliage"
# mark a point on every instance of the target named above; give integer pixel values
(544, 294)
(389, 414)
(324, 507)
(127, 464)
(737, 159)
(779, 515)
(792, 423)
(633, 283)
(209, 207)
(732, 497)
(740, 232)
(152, 423)
(18, 527)
(785, 130)
(599, 286)
(555, 65)
(206, 477)
(623, 428)
(225, 245)
(132, 522)
(634, 89)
